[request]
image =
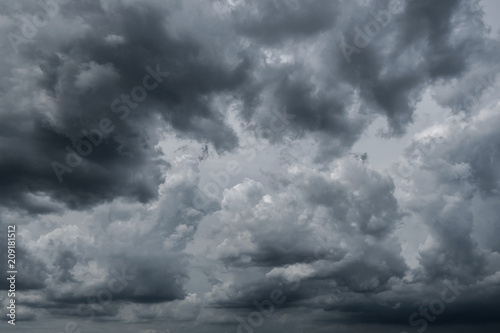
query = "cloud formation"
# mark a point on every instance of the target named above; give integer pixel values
(115, 115)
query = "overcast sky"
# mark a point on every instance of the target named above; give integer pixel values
(251, 166)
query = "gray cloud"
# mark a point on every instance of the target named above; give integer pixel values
(285, 90)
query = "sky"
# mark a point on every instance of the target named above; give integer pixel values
(250, 166)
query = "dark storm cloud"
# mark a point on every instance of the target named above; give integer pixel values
(91, 76)
(416, 45)
(88, 72)
(141, 277)
(271, 22)
(417, 48)
(105, 174)
(463, 306)
(330, 234)
(144, 281)
(182, 100)
(95, 263)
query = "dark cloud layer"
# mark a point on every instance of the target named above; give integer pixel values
(143, 156)
(77, 74)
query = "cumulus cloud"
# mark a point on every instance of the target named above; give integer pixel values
(274, 234)
(451, 187)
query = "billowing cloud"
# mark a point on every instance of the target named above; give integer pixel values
(184, 165)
